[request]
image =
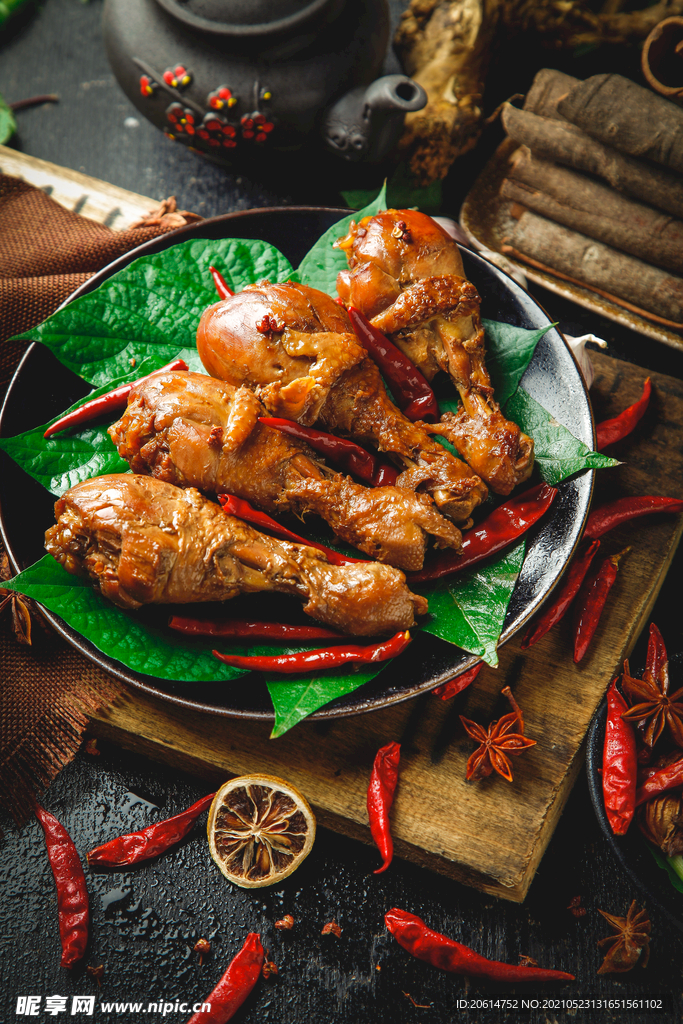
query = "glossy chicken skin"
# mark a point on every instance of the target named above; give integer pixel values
(192, 430)
(405, 273)
(296, 348)
(143, 541)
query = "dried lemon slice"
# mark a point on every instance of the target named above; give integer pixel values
(260, 829)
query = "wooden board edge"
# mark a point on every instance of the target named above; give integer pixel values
(90, 197)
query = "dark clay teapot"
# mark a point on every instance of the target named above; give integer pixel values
(225, 76)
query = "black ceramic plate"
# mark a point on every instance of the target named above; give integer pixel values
(42, 388)
(632, 850)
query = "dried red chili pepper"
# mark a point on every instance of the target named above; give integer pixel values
(567, 592)
(324, 657)
(243, 510)
(610, 431)
(221, 284)
(656, 652)
(660, 780)
(439, 951)
(413, 395)
(244, 970)
(502, 527)
(381, 789)
(339, 451)
(112, 402)
(72, 892)
(591, 602)
(619, 765)
(614, 513)
(460, 683)
(241, 629)
(148, 842)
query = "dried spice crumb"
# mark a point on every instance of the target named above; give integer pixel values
(203, 947)
(331, 928)
(630, 942)
(269, 969)
(91, 747)
(527, 961)
(96, 973)
(575, 907)
(285, 923)
(418, 1006)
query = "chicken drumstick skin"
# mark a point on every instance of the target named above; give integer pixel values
(295, 347)
(406, 274)
(195, 431)
(143, 541)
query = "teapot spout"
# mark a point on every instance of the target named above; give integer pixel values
(366, 124)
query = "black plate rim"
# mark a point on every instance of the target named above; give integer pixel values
(329, 711)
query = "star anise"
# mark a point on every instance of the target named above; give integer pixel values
(496, 743)
(652, 705)
(20, 607)
(631, 939)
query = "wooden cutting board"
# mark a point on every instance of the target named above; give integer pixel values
(491, 834)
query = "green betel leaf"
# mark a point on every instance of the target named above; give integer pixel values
(469, 610)
(322, 263)
(665, 863)
(294, 700)
(126, 636)
(402, 194)
(509, 350)
(140, 642)
(65, 459)
(8, 125)
(150, 310)
(558, 454)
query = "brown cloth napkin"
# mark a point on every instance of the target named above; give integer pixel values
(48, 689)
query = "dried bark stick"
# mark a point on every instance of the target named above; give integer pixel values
(446, 45)
(547, 89)
(598, 266)
(595, 210)
(661, 59)
(625, 115)
(566, 144)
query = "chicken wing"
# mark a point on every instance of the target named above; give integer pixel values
(192, 430)
(405, 273)
(143, 541)
(295, 347)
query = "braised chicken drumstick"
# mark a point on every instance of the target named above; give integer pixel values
(406, 275)
(295, 347)
(192, 430)
(143, 541)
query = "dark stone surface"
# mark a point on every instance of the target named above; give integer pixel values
(145, 921)
(144, 938)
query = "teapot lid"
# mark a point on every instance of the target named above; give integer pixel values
(243, 17)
